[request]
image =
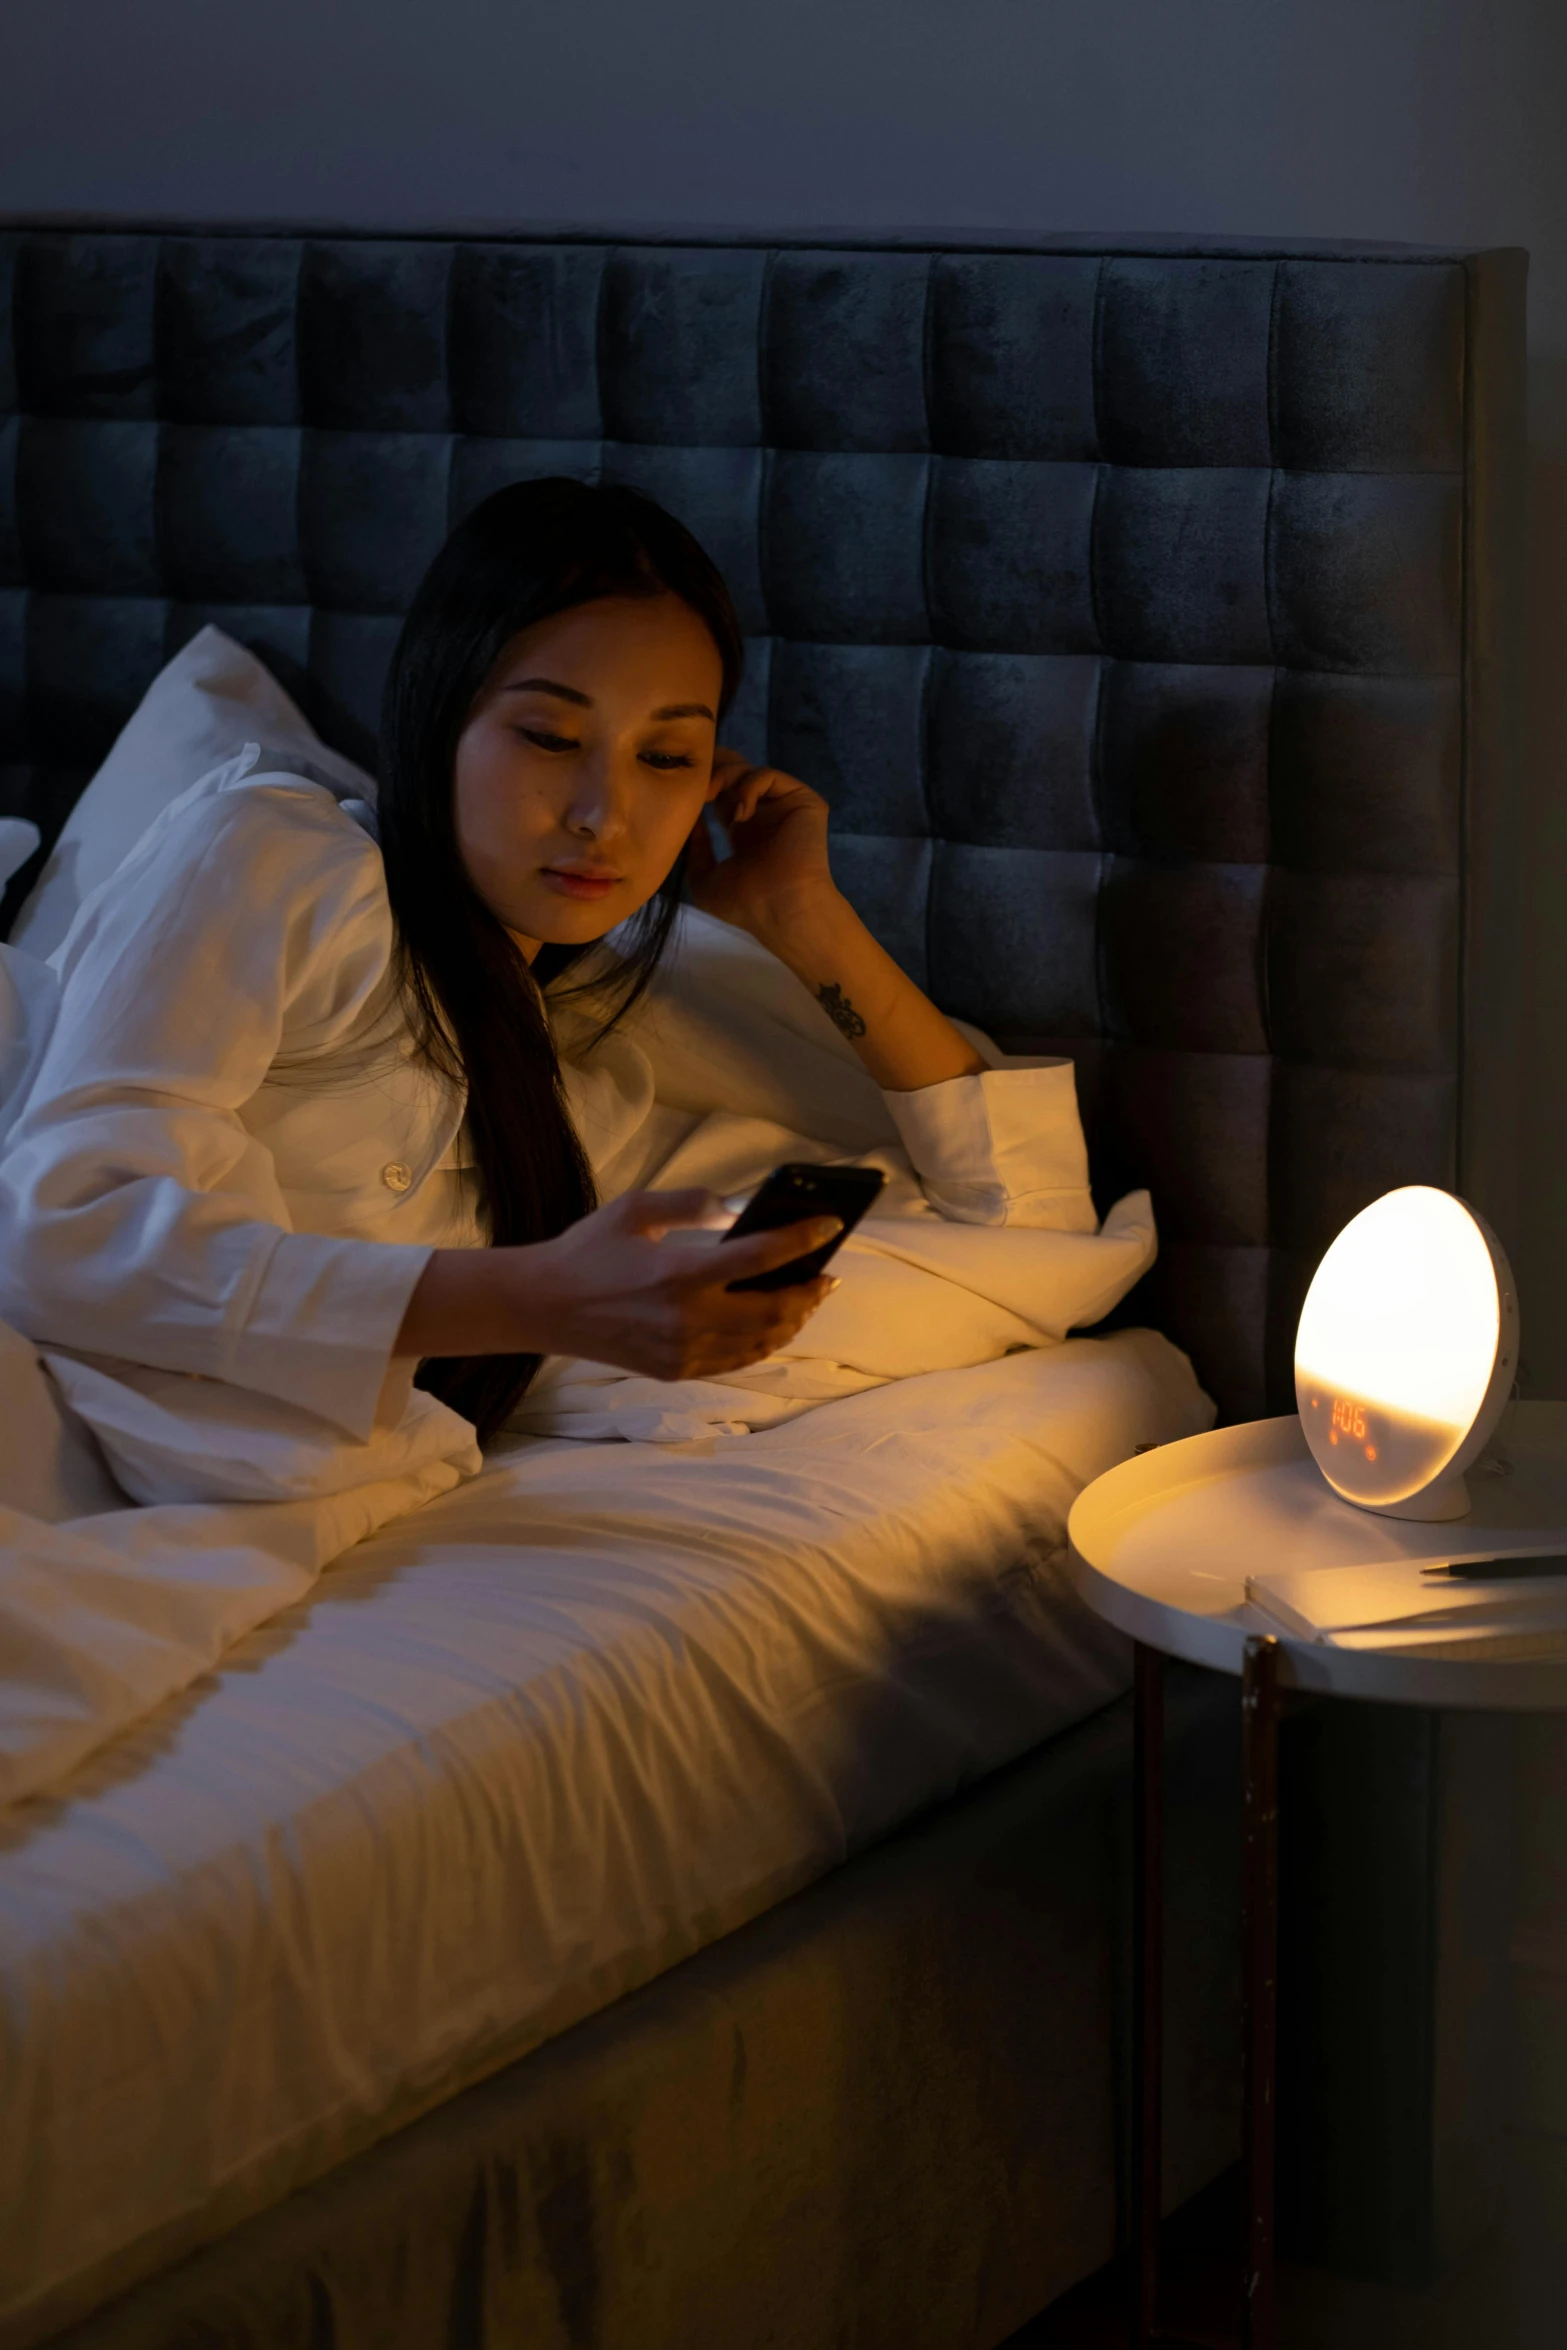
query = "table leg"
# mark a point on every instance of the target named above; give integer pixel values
(1148, 1989)
(1260, 1932)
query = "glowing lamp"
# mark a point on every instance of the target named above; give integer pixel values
(1406, 1352)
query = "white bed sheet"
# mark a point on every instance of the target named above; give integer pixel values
(514, 1756)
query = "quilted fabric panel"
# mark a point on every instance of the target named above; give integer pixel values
(1011, 355)
(1368, 367)
(853, 718)
(12, 568)
(13, 692)
(1221, 1299)
(843, 356)
(1113, 599)
(718, 493)
(373, 511)
(225, 330)
(1367, 773)
(1010, 741)
(843, 547)
(1183, 361)
(228, 513)
(1195, 1125)
(1008, 557)
(1367, 572)
(1204, 922)
(1185, 760)
(1363, 970)
(1014, 936)
(523, 341)
(1338, 1135)
(89, 660)
(348, 657)
(10, 247)
(703, 310)
(1180, 563)
(372, 337)
(84, 326)
(86, 505)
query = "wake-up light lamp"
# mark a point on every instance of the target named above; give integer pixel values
(1405, 1354)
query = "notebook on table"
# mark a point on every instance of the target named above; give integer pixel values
(1507, 1606)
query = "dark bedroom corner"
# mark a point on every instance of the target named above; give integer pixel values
(783, 1307)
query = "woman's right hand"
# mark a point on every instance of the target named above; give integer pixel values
(609, 1290)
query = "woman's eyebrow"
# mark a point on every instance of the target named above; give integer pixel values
(569, 693)
(547, 685)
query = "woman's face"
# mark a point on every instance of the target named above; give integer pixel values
(584, 764)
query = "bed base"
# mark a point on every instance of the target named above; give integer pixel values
(891, 2112)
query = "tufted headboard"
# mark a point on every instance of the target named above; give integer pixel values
(1141, 609)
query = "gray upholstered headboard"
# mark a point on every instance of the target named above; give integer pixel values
(1138, 609)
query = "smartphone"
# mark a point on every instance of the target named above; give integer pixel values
(792, 1195)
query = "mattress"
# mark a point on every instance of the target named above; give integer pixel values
(515, 1756)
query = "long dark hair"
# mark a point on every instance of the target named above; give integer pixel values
(527, 552)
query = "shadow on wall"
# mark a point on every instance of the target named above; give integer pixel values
(1542, 1268)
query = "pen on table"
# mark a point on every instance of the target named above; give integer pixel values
(1495, 1570)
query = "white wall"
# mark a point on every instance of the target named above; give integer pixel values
(1435, 120)
(1428, 119)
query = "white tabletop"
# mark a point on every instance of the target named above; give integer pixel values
(1163, 1545)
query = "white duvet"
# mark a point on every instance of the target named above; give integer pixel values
(514, 1754)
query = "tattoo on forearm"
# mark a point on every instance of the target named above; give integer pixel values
(840, 1011)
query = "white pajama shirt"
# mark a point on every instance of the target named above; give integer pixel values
(232, 1163)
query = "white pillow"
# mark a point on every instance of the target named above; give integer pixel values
(210, 701)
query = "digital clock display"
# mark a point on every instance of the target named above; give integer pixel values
(1349, 1419)
(1368, 1450)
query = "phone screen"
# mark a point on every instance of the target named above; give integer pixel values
(790, 1195)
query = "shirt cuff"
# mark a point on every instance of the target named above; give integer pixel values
(321, 1324)
(1002, 1147)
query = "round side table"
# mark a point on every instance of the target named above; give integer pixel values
(1162, 1547)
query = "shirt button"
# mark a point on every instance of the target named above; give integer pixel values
(396, 1176)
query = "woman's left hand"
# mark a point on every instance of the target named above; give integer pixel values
(778, 885)
(777, 870)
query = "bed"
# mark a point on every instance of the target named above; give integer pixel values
(1143, 612)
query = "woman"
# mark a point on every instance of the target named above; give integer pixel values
(303, 1127)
